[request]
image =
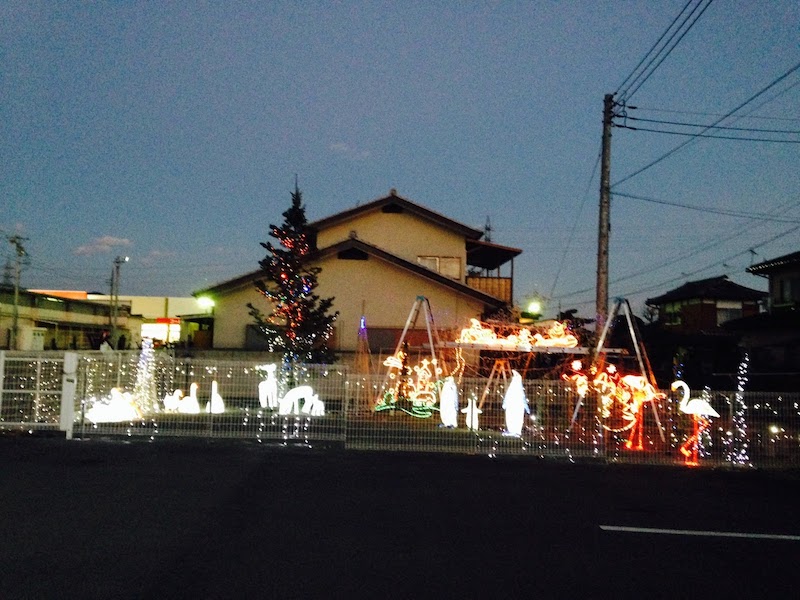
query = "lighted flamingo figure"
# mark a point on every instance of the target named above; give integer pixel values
(700, 410)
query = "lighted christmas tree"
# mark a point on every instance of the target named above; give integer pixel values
(300, 325)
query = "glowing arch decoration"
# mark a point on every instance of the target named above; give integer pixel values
(700, 410)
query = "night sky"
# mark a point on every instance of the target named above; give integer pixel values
(172, 133)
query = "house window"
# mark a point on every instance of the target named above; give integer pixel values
(728, 310)
(449, 266)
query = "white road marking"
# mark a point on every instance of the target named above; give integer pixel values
(733, 534)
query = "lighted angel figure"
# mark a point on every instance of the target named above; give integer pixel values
(515, 403)
(700, 411)
(448, 403)
(190, 405)
(471, 411)
(216, 405)
(268, 388)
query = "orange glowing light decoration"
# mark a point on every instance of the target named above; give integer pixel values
(622, 398)
(522, 340)
(420, 391)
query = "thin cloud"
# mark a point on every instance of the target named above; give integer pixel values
(155, 256)
(101, 245)
(348, 151)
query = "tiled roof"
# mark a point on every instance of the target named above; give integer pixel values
(714, 288)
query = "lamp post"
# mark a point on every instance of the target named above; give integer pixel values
(118, 262)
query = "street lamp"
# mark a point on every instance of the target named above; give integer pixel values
(118, 262)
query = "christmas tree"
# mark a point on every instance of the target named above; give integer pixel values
(299, 326)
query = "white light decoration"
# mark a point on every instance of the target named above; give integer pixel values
(471, 415)
(448, 403)
(268, 388)
(736, 440)
(117, 406)
(172, 401)
(290, 403)
(216, 405)
(189, 405)
(313, 406)
(516, 405)
(700, 410)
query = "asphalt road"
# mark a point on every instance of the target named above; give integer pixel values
(185, 519)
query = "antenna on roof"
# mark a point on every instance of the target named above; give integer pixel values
(487, 230)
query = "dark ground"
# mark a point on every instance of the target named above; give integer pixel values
(189, 519)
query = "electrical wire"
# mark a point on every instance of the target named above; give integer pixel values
(705, 209)
(717, 122)
(720, 127)
(712, 137)
(626, 95)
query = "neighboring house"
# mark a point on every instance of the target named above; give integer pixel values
(376, 259)
(704, 305)
(49, 322)
(772, 339)
(163, 318)
(689, 340)
(783, 274)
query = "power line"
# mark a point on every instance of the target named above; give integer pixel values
(705, 209)
(720, 127)
(653, 47)
(626, 95)
(709, 114)
(717, 122)
(702, 135)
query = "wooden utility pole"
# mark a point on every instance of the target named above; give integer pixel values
(19, 249)
(604, 226)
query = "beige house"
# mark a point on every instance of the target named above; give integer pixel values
(376, 259)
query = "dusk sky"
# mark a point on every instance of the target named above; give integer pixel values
(172, 132)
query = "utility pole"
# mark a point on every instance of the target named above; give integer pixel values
(604, 226)
(16, 241)
(118, 261)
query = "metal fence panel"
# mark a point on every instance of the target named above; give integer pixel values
(154, 395)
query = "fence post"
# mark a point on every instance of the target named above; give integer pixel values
(69, 381)
(2, 377)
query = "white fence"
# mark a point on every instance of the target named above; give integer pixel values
(77, 394)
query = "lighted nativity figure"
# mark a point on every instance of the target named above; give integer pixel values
(116, 407)
(216, 405)
(515, 403)
(268, 388)
(448, 403)
(471, 412)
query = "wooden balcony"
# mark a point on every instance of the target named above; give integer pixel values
(499, 287)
